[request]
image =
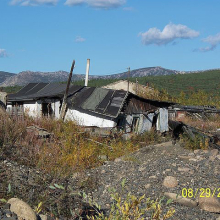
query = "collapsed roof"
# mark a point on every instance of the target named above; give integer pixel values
(111, 103)
(101, 101)
(91, 100)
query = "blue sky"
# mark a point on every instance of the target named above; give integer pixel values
(46, 35)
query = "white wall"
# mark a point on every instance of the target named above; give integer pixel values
(162, 120)
(88, 120)
(34, 108)
(147, 123)
(31, 108)
(56, 109)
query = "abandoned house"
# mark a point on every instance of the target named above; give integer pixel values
(91, 106)
(39, 99)
(116, 108)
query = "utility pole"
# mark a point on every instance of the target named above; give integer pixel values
(129, 72)
(136, 86)
(64, 104)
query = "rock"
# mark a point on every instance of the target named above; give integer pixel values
(184, 157)
(218, 156)
(218, 218)
(212, 158)
(104, 157)
(22, 209)
(179, 199)
(199, 158)
(147, 186)
(214, 152)
(183, 169)
(196, 151)
(210, 204)
(152, 177)
(168, 170)
(118, 160)
(43, 217)
(170, 182)
(193, 159)
(142, 169)
(191, 172)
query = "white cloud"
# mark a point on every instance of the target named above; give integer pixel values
(33, 2)
(3, 53)
(213, 41)
(80, 39)
(170, 33)
(102, 4)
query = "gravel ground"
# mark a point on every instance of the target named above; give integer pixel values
(144, 170)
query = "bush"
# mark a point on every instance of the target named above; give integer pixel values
(70, 149)
(131, 207)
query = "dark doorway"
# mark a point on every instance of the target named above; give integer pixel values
(47, 109)
(135, 124)
(120, 124)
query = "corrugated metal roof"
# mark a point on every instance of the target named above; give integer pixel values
(98, 100)
(34, 91)
(91, 100)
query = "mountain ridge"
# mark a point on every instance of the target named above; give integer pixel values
(5, 75)
(25, 77)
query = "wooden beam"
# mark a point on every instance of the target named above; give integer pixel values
(64, 104)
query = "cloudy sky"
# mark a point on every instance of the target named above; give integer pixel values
(46, 35)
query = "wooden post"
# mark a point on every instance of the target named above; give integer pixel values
(64, 104)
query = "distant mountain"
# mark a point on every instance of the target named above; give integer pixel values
(5, 75)
(28, 76)
(149, 71)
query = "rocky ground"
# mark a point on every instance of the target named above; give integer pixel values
(155, 170)
(146, 170)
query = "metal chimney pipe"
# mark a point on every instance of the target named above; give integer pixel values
(87, 72)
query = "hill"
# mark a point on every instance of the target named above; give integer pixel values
(5, 75)
(149, 71)
(26, 77)
(29, 76)
(208, 81)
(173, 82)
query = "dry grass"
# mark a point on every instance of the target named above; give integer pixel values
(11, 129)
(69, 150)
(209, 124)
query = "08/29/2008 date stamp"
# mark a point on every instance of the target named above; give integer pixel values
(200, 192)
